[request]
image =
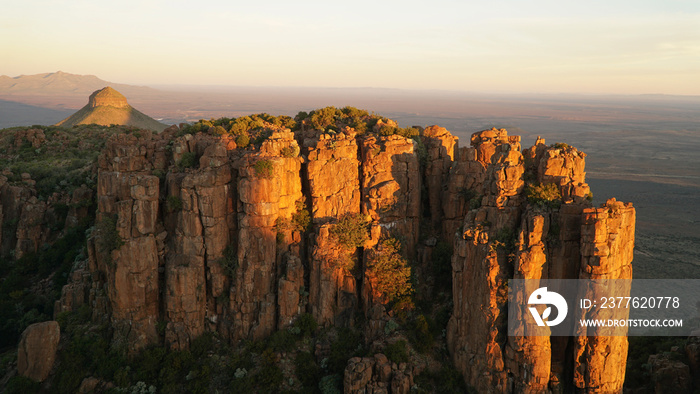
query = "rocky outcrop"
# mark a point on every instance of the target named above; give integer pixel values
(509, 236)
(481, 268)
(607, 243)
(194, 235)
(37, 350)
(29, 222)
(378, 375)
(333, 174)
(127, 251)
(669, 375)
(107, 97)
(391, 186)
(269, 194)
(440, 153)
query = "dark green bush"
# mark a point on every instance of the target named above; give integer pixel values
(107, 237)
(448, 380)
(263, 169)
(188, 160)
(420, 333)
(307, 324)
(22, 385)
(307, 370)
(229, 262)
(301, 219)
(173, 203)
(397, 352)
(346, 346)
(324, 117)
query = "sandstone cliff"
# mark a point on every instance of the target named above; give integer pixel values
(202, 233)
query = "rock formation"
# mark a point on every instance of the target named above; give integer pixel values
(37, 350)
(510, 236)
(107, 107)
(195, 235)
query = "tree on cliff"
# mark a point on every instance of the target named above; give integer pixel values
(388, 272)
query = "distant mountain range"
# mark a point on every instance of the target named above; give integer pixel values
(61, 83)
(48, 98)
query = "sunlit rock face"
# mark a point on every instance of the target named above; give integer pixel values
(211, 241)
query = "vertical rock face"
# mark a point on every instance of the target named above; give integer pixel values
(37, 350)
(13, 199)
(391, 187)
(269, 187)
(333, 174)
(475, 333)
(607, 242)
(441, 147)
(509, 237)
(128, 215)
(530, 357)
(334, 186)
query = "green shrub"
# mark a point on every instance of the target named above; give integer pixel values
(475, 202)
(331, 384)
(229, 262)
(188, 160)
(301, 219)
(348, 344)
(263, 169)
(351, 231)
(397, 352)
(561, 145)
(388, 271)
(544, 195)
(387, 130)
(421, 333)
(307, 370)
(324, 117)
(22, 385)
(242, 141)
(282, 341)
(307, 324)
(270, 377)
(218, 130)
(173, 203)
(506, 238)
(107, 237)
(290, 151)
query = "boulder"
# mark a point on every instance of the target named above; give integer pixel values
(37, 350)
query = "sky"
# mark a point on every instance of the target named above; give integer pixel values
(501, 46)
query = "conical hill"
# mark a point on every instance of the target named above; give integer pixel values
(107, 107)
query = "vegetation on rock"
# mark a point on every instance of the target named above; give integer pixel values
(388, 271)
(544, 195)
(351, 230)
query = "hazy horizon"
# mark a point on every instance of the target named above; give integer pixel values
(543, 46)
